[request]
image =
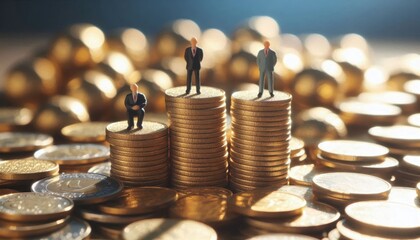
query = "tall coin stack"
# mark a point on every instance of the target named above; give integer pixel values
(259, 150)
(139, 157)
(197, 137)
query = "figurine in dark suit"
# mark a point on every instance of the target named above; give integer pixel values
(193, 56)
(266, 60)
(135, 102)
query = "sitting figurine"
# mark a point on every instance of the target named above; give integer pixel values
(135, 102)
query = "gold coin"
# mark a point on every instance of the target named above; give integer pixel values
(176, 126)
(407, 136)
(383, 216)
(404, 195)
(150, 130)
(254, 180)
(198, 136)
(11, 117)
(303, 174)
(249, 98)
(267, 204)
(198, 112)
(403, 100)
(34, 207)
(414, 120)
(139, 150)
(261, 120)
(97, 217)
(135, 163)
(256, 159)
(209, 121)
(198, 145)
(268, 141)
(296, 144)
(280, 148)
(387, 166)
(259, 162)
(261, 173)
(27, 169)
(238, 131)
(315, 217)
(198, 166)
(208, 209)
(199, 131)
(207, 157)
(268, 108)
(172, 105)
(101, 168)
(135, 201)
(19, 142)
(75, 227)
(181, 117)
(199, 140)
(275, 152)
(169, 229)
(208, 95)
(274, 125)
(215, 177)
(82, 188)
(128, 168)
(221, 169)
(71, 154)
(162, 141)
(260, 128)
(236, 165)
(17, 230)
(281, 236)
(301, 191)
(206, 191)
(204, 151)
(278, 113)
(354, 107)
(411, 163)
(163, 155)
(117, 151)
(142, 183)
(348, 150)
(160, 173)
(85, 132)
(346, 185)
(200, 183)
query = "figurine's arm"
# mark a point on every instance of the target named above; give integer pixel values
(186, 55)
(127, 104)
(144, 102)
(201, 55)
(258, 59)
(274, 58)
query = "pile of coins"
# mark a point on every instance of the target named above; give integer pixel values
(89, 132)
(197, 137)
(74, 157)
(356, 156)
(139, 157)
(260, 135)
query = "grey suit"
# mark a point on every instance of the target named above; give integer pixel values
(266, 65)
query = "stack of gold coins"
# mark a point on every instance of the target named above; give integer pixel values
(260, 136)
(139, 157)
(85, 132)
(198, 137)
(28, 214)
(356, 156)
(343, 188)
(77, 157)
(379, 220)
(132, 205)
(297, 151)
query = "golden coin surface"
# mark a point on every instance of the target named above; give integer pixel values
(76, 228)
(348, 185)
(10, 230)
(10, 117)
(281, 236)
(369, 109)
(269, 108)
(398, 134)
(315, 217)
(85, 132)
(69, 154)
(349, 150)
(27, 169)
(135, 201)
(411, 162)
(296, 144)
(206, 191)
(82, 188)
(150, 130)
(17, 142)
(405, 195)
(208, 209)
(29, 207)
(208, 95)
(301, 191)
(414, 120)
(401, 99)
(161, 141)
(303, 174)
(278, 113)
(168, 229)
(198, 112)
(267, 204)
(249, 98)
(385, 216)
(102, 168)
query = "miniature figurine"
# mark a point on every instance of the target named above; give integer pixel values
(193, 56)
(266, 60)
(135, 102)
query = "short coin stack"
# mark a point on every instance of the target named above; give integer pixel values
(260, 151)
(198, 137)
(297, 152)
(139, 157)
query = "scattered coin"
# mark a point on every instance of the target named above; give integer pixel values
(405, 195)
(27, 169)
(17, 230)
(404, 135)
(19, 142)
(73, 154)
(348, 150)
(101, 168)
(85, 132)
(303, 174)
(74, 229)
(12, 117)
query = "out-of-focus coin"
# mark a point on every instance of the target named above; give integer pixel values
(206, 191)
(281, 236)
(414, 120)
(405, 195)
(74, 229)
(139, 201)
(303, 174)
(34, 207)
(383, 216)
(82, 188)
(71, 154)
(263, 203)
(349, 150)
(208, 95)
(168, 229)
(411, 163)
(346, 185)
(208, 209)
(97, 217)
(334, 234)
(315, 217)
(11, 117)
(406, 101)
(17, 230)
(150, 130)
(407, 136)
(85, 132)
(27, 169)
(101, 168)
(301, 191)
(18, 142)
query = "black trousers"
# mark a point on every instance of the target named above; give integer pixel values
(133, 113)
(197, 79)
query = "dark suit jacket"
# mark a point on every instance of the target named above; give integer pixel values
(193, 63)
(129, 101)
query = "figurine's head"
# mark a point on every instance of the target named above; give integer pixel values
(266, 44)
(133, 87)
(193, 42)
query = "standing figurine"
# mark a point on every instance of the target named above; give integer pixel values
(135, 102)
(266, 60)
(193, 56)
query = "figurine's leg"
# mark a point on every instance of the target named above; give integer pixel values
(270, 82)
(261, 83)
(189, 75)
(130, 119)
(140, 116)
(197, 80)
